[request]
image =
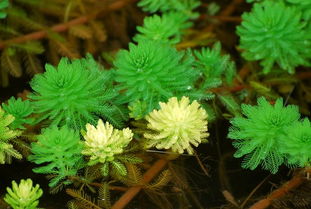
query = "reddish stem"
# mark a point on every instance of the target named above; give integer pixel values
(280, 192)
(231, 7)
(232, 89)
(303, 75)
(64, 26)
(225, 13)
(228, 18)
(133, 191)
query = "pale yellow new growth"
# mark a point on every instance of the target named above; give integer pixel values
(177, 125)
(23, 195)
(103, 142)
(5, 132)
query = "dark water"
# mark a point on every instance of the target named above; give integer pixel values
(17, 85)
(22, 170)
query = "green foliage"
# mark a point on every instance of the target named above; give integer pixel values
(296, 144)
(59, 149)
(185, 7)
(117, 167)
(75, 93)
(21, 110)
(166, 28)
(24, 195)
(154, 5)
(3, 5)
(252, 1)
(231, 105)
(6, 134)
(152, 72)
(304, 6)
(301, 2)
(275, 34)
(257, 136)
(214, 66)
(137, 109)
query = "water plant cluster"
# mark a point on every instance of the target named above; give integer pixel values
(90, 128)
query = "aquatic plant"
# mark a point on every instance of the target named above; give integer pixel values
(21, 110)
(166, 28)
(177, 125)
(214, 66)
(257, 136)
(186, 7)
(106, 145)
(183, 6)
(137, 109)
(165, 79)
(151, 72)
(296, 143)
(154, 6)
(304, 6)
(74, 93)
(252, 1)
(23, 195)
(275, 34)
(6, 134)
(59, 150)
(3, 5)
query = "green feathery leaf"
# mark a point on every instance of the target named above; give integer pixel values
(214, 66)
(296, 144)
(275, 34)
(21, 110)
(304, 6)
(61, 149)
(185, 7)
(229, 102)
(152, 72)
(3, 5)
(257, 136)
(75, 93)
(166, 28)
